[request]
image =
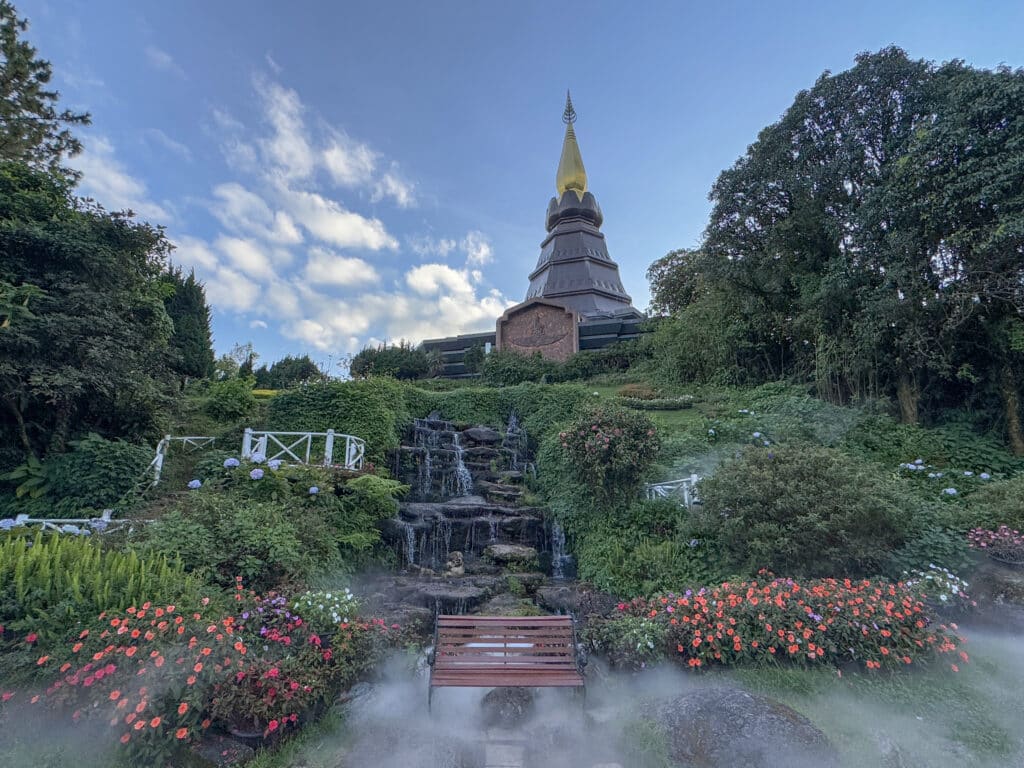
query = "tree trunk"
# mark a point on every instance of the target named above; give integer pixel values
(59, 438)
(1011, 404)
(20, 421)
(908, 395)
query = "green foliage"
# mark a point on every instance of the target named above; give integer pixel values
(647, 547)
(994, 504)
(507, 368)
(191, 344)
(628, 642)
(272, 531)
(98, 313)
(230, 399)
(288, 372)
(50, 583)
(373, 409)
(473, 359)
(610, 449)
(804, 510)
(32, 130)
(96, 474)
(933, 544)
(401, 362)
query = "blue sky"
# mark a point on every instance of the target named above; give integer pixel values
(344, 173)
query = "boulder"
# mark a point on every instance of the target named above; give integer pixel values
(507, 707)
(728, 727)
(215, 751)
(482, 435)
(511, 554)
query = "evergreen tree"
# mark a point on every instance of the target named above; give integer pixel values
(32, 129)
(191, 345)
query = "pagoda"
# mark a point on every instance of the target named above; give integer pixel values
(575, 300)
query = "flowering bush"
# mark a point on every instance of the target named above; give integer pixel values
(874, 623)
(631, 642)
(1004, 544)
(158, 676)
(609, 449)
(940, 586)
(325, 611)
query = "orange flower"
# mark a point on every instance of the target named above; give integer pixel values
(154, 722)
(205, 723)
(182, 708)
(131, 652)
(115, 695)
(198, 667)
(76, 647)
(139, 725)
(181, 733)
(42, 660)
(126, 738)
(954, 667)
(191, 680)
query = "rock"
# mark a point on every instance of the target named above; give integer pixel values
(581, 600)
(221, 751)
(484, 435)
(727, 727)
(507, 707)
(509, 554)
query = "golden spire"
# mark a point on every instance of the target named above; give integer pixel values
(571, 173)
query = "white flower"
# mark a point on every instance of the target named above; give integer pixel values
(968, 474)
(985, 476)
(949, 492)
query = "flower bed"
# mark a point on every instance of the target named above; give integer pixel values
(158, 676)
(825, 621)
(1004, 544)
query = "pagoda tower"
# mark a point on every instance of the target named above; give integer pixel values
(574, 268)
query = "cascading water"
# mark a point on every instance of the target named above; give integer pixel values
(463, 478)
(410, 543)
(515, 440)
(492, 531)
(559, 560)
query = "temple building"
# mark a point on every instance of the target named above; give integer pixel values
(575, 300)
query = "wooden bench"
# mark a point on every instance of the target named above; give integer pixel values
(505, 651)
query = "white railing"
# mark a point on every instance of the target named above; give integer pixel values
(78, 525)
(684, 490)
(298, 447)
(193, 442)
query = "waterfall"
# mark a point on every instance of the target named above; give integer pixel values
(492, 531)
(410, 543)
(515, 440)
(463, 478)
(558, 557)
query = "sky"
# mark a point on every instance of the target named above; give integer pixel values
(345, 174)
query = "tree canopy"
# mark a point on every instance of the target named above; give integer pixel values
(871, 241)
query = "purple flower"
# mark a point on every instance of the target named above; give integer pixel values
(274, 463)
(257, 458)
(256, 474)
(229, 463)
(194, 484)
(313, 490)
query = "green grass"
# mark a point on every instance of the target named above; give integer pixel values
(929, 717)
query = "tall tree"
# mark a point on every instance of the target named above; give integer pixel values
(191, 345)
(90, 353)
(32, 127)
(287, 372)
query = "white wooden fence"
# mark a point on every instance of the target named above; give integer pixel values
(684, 491)
(189, 443)
(298, 447)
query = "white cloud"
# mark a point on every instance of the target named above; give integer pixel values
(244, 212)
(273, 64)
(428, 279)
(194, 253)
(327, 267)
(226, 121)
(249, 257)
(326, 220)
(392, 185)
(425, 246)
(106, 180)
(163, 61)
(258, 324)
(231, 290)
(477, 247)
(161, 138)
(287, 150)
(349, 163)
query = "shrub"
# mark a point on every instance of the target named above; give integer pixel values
(49, 583)
(808, 511)
(996, 503)
(507, 368)
(402, 362)
(1005, 545)
(373, 409)
(630, 642)
(933, 544)
(325, 611)
(871, 623)
(609, 449)
(230, 399)
(638, 391)
(97, 474)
